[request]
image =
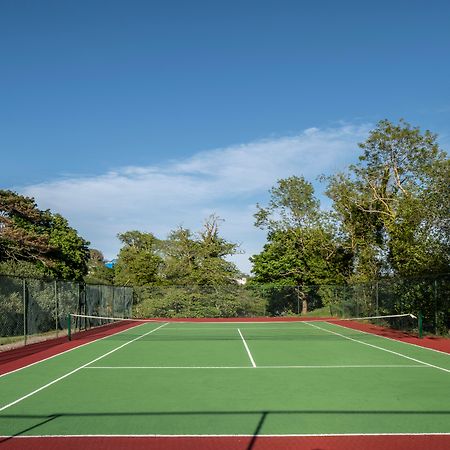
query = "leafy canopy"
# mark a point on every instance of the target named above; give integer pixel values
(42, 238)
(302, 247)
(393, 205)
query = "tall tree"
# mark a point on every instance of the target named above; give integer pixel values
(180, 257)
(302, 247)
(23, 229)
(213, 267)
(292, 205)
(40, 237)
(200, 259)
(393, 204)
(70, 251)
(139, 261)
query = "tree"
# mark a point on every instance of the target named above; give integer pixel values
(193, 277)
(23, 228)
(292, 205)
(28, 234)
(139, 262)
(213, 267)
(301, 257)
(303, 248)
(70, 251)
(200, 259)
(393, 204)
(180, 257)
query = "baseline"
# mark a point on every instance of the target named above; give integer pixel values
(382, 441)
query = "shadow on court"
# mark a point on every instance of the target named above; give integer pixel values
(42, 420)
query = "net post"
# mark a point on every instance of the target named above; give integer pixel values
(69, 330)
(420, 317)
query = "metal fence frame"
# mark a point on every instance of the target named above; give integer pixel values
(37, 309)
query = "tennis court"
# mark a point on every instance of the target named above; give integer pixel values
(231, 385)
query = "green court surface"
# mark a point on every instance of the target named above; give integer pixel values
(231, 379)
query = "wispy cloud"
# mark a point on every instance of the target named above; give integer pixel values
(227, 181)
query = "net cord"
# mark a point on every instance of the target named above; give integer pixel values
(324, 319)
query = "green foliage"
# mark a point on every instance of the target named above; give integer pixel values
(199, 259)
(183, 259)
(42, 238)
(393, 205)
(70, 252)
(292, 205)
(301, 257)
(302, 247)
(25, 269)
(139, 261)
(198, 301)
(391, 217)
(23, 229)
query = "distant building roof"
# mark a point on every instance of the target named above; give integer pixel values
(110, 264)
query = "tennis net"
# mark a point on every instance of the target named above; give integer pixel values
(397, 324)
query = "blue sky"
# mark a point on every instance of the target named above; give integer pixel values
(152, 114)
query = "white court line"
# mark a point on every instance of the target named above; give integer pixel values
(379, 348)
(353, 366)
(77, 369)
(219, 435)
(67, 351)
(248, 350)
(391, 339)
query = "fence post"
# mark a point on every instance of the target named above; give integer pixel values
(113, 303)
(56, 307)
(69, 327)
(420, 325)
(25, 312)
(377, 297)
(435, 307)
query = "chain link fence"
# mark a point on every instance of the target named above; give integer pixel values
(32, 310)
(426, 296)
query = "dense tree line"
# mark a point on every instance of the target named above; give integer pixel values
(185, 258)
(390, 216)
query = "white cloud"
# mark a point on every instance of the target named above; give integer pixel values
(226, 181)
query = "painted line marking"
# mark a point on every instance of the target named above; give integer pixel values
(248, 350)
(353, 366)
(379, 348)
(78, 368)
(219, 435)
(67, 351)
(389, 339)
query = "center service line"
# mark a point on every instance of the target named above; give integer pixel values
(248, 350)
